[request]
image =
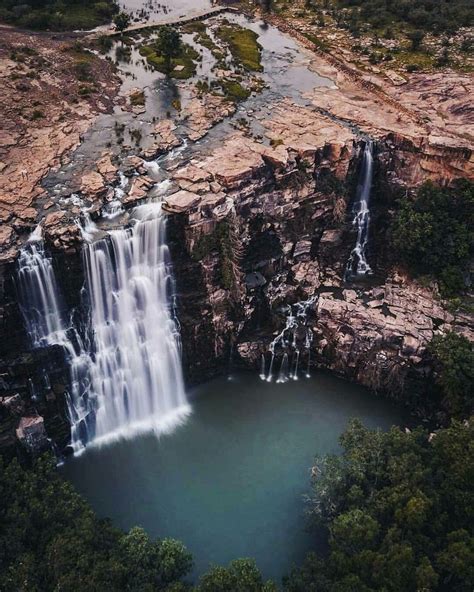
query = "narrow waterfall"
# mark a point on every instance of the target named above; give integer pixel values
(135, 372)
(287, 342)
(46, 322)
(357, 264)
(39, 296)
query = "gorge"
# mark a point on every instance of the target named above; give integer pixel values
(199, 286)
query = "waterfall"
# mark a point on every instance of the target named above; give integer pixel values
(287, 341)
(39, 296)
(357, 264)
(46, 323)
(135, 373)
(126, 378)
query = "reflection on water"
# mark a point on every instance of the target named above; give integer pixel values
(230, 483)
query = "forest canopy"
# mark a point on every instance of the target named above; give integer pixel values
(57, 15)
(438, 16)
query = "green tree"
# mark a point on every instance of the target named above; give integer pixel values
(454, 357)
(416, 37)
(242, 575)
(168, 44)
(414, 493)
(121, 21)
(434, 233)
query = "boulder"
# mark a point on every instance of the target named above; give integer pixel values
(32, 434)
(181, 201)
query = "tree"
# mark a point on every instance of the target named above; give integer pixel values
(50, 539)
(398, 506)
(121, 21)
(454, 359)
(416, 37)
(168, 44)
(432, 233)
(242, 575)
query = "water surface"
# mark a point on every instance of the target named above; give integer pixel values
(231, 481)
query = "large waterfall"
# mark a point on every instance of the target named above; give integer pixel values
(128, 379)
(136, 372)
(358, 264)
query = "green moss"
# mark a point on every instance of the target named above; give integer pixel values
(234, 91)
(243, 45)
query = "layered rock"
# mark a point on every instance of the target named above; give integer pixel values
(264, 226)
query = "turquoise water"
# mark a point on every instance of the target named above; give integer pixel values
(231, 481)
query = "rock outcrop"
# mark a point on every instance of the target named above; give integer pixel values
(258, 227)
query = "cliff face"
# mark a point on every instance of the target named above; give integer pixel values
(253, 229)
(260, 229)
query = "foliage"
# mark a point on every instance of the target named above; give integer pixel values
(241, 575)
(57, 15)
(234, 91)
(168, 45)
(434, 234)
(218, 241)
(398, 510)
(454, 357)
(168, 52)
(121, 21)
(50, 539)
(428, 15)
(243, 46)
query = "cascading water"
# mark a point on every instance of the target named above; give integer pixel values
(46, 323)
(136, 372)
(358, 264)
(287, 342)
(128, 379)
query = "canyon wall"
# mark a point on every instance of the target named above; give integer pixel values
(254, 228)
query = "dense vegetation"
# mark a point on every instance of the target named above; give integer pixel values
(50, 540)
(57, 15)
(453, 357)
(398, 508)
(429, 15)
(434, 234)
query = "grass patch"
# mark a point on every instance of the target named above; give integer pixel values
(243, 46)
(203, 38)
(186, 60)
(234, 91)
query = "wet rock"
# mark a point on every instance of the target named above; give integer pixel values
(93, 184)
(138, 190)
(106, 168)
(13, 404)
(32, 434)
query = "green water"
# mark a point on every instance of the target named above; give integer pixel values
(231, 481)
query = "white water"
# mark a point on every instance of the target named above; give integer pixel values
(136, 370)
(287, 342)
(128, 379)
(358, 264)
(40, 299)
(47, 324)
